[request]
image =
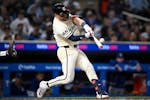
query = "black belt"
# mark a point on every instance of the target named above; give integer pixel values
(75, 46)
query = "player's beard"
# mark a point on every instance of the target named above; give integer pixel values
(64, 17)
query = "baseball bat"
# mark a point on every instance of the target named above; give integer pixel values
(98, 43)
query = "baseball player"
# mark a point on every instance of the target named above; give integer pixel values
(10, 52)
(67, 35)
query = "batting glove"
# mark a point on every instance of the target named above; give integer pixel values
(87, 28)
(87, 35)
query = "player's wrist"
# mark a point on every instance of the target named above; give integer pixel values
(87, 28)
(87, 35)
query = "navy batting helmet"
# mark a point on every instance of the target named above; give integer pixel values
(59, 8)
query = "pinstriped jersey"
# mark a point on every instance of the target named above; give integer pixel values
(63, 30)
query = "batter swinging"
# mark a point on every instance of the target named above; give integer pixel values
(66, 34)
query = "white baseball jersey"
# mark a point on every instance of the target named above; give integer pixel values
(70, 57)
(63, 30)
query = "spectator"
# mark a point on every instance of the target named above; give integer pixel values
(132, 37)
(17, 87)
(117, 6)
(47, 27)
(49, 31)
(21, 19)
(130, 21)
(126, 35)
(136, 28)
(120, 29)
(34, 85)
(139, 6)
(38, 10)
(104, 30)
(4, 14)
(7, 33)
(19, 4)
(147, 30)
(35, 9)
(113, 37)
(1, 30)
(20, 35)
(144, 37)
(47, 11)
(37, 33)
(112, 16)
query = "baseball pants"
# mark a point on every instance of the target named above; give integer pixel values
(70, 58)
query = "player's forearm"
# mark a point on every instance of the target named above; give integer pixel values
(3, 53)
(77, 20)
(81, 22)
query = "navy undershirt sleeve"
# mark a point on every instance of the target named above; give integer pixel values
(76, 38)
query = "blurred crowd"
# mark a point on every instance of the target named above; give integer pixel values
(32, 19)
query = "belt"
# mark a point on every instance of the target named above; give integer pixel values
(75, 46)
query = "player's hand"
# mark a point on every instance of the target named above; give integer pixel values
(88, 29)
(87, 35)
(120, 69)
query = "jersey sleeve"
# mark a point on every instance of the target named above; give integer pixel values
(133, 62)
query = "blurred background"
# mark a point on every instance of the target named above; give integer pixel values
(123, 64)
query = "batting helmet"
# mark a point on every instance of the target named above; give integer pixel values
(59, 8)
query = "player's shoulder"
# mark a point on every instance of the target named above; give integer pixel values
(55, 20)
(133, 61)
(56, 23)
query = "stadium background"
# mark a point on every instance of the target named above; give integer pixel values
(36, 47)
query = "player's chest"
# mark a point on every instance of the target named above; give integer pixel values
(70, 26)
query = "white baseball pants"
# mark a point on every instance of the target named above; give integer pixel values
(71, 57)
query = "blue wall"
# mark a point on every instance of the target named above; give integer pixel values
(102, 68)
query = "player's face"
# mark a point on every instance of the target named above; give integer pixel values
(63, 17)
(120, 60)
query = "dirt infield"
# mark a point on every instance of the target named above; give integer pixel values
(74, 99)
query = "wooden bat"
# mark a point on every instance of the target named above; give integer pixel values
(98, 42)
